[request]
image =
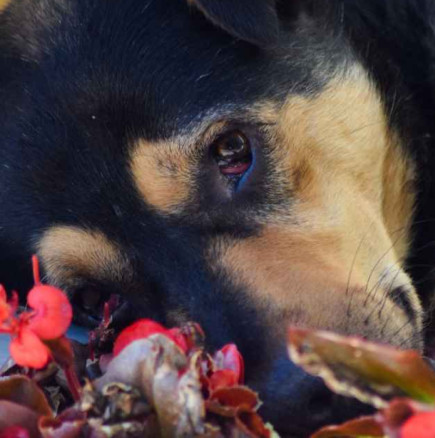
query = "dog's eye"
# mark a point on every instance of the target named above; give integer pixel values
(233, 153)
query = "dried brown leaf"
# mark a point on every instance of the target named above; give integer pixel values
(13, 414)
(24, 391)
(178, 402)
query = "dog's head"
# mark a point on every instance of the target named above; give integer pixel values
(236, 163)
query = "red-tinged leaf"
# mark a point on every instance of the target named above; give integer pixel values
(139, 330)
(61, 351)
(53, 311)
(236, 397)
(14, 432)
(366, 427)
(13, 414)
(370, 372)
(229, 358)
(397, 412)
(25, 392)
(214, 407)
(222, 379)
(251, 424)
(421, 425)
(28, 350)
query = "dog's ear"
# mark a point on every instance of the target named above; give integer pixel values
(255, 21)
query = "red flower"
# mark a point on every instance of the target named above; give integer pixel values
(229, 358)
(228, 368)
(52, 311)
(222, 379)
(421, 425)
(143, 328)
(28, 350)
(49, 318)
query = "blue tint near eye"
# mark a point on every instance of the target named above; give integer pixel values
(245, 176)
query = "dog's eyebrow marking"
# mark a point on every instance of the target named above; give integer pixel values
(4, 4)
(162, 173)
(68, 251)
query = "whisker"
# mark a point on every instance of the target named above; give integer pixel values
(352, 266)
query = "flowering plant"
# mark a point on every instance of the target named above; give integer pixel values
(159, 381)
(156, 381)
(49, 318)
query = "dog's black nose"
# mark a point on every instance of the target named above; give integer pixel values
(298, 404)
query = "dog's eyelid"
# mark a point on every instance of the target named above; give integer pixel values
(224, 127)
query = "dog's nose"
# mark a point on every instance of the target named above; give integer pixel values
(298, 404)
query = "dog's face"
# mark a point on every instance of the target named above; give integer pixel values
(206, 170)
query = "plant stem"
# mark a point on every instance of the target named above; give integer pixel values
(73, 382)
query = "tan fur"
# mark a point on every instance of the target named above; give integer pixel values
(162, 173)
(68, 252)
(347, 231)
(3, 4)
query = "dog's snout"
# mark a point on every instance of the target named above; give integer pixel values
(298, 404)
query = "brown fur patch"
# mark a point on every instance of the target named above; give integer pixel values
(338, 250)
(68, 252)
(3, 4)
(163, 174)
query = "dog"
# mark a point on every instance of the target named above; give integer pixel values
(244, 164)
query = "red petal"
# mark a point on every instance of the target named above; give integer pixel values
(222, 379)
(53, 311)
(5, 311)
(14, 432)
(419, 426)
(27, 350)
(5, 308)
(232, 360)
(3, 294)
(138, 330)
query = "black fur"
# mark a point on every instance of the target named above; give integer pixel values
(255, 21)
(79, 80)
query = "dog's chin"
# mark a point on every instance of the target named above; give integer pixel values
(298, 404)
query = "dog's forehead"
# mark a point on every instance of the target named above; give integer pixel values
(164, 62)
